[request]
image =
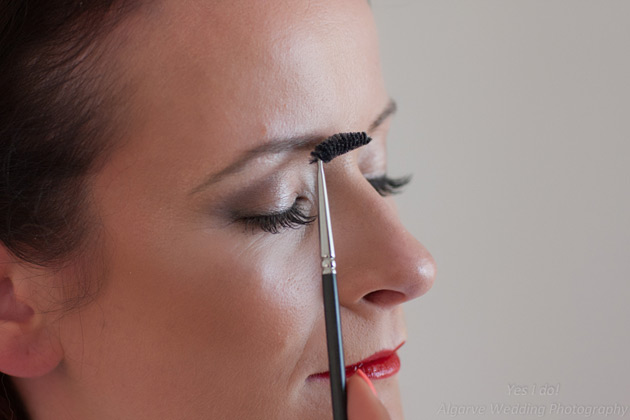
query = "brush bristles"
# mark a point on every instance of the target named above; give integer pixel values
(337, 145)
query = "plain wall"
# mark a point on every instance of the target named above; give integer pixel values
(514, 119)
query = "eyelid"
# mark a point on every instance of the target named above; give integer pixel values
(277, 221)
(294, 217)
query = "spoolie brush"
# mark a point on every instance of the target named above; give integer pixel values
(338, 144)
(324, 152)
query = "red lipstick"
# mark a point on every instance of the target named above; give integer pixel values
(380, 365)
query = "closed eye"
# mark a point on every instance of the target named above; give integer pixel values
(296, 217)
(275, 222)
(387, 186)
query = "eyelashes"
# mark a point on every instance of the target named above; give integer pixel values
(386, 186)
(276, 222)
(296, 216)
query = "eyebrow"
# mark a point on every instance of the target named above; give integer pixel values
(285, 145)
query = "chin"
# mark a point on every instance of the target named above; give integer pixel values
(389, 393)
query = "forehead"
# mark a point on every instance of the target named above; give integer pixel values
(253, 70)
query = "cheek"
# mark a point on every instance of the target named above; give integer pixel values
(211, 305)
(263, 300)
(209, 314)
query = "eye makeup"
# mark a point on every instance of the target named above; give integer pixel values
(275, 222)
(285, 200)
(300, 214)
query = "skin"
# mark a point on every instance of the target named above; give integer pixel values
(200, 315)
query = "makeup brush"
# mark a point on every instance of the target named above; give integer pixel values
(324, 152)
(338, 144)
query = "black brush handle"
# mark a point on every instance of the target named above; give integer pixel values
(336, 364)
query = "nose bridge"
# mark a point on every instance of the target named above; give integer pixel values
(378, 260)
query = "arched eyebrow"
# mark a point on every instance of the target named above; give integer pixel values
(281, 146)
(390, 109)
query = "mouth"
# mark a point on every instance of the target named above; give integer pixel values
(380, 365)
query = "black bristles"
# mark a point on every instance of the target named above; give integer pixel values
(338, 144)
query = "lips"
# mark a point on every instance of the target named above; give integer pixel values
(380, 365)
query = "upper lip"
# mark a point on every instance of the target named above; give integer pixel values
(376, 356)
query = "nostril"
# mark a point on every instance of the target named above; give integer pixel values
(385, 297)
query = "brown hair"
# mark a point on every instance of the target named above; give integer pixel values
(53, 125)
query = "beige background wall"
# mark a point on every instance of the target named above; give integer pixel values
(514, 117)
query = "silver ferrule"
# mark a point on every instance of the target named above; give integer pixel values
(329, 266)
(325, 229)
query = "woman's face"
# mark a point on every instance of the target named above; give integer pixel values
(203, 313)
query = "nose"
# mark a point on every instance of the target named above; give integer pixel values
(379, 262)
